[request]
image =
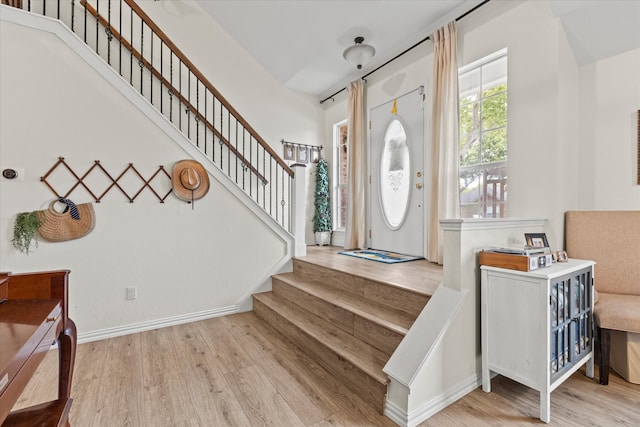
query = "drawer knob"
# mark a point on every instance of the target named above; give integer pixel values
(51, 319)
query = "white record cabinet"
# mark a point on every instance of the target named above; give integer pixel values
(537, 326)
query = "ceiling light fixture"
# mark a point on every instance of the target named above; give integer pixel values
(359, 54)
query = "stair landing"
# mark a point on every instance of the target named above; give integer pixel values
(420, 276)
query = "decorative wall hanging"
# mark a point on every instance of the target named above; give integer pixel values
(190, 180)
(97, 168)
(301, 153)
(73, 222)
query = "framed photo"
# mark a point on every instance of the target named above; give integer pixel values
(314, 154)
(289, 152)
(303, 154)
(536, 240)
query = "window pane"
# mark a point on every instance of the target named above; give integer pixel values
(494, 110)
(469, 118)
(483, 138)
(469, 86)
(494, 73)
(494, 145)
(471, 154)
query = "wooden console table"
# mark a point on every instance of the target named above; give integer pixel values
(33, 315)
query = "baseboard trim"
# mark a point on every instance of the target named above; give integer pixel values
(149, 325)
(432, 407)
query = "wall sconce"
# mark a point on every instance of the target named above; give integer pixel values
(359, 54)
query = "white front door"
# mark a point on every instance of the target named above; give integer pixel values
(396, 163)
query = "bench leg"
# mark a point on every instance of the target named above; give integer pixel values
(604, 346)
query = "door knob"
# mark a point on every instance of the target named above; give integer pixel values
(419, 186)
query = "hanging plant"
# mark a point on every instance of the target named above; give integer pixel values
(25, 231)
(322, 216)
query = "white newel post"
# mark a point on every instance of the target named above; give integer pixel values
(299, 209)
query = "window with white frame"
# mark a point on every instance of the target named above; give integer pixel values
(483, 137)
(340, 175)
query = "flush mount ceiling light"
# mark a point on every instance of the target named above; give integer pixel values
(359, 54)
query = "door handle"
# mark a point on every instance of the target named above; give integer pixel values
(419, 186)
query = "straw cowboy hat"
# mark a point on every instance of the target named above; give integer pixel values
(189, 179)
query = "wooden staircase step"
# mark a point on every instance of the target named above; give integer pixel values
(356, 363)
(377, 324)
(391, 295)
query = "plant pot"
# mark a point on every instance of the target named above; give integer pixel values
(323, 238)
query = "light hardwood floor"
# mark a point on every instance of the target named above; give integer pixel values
(234, 371)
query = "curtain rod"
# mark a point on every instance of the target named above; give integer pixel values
(406, 50)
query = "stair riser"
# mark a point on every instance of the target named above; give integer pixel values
(407, 301)
(340, 317)
(366, 387)
(376, 335)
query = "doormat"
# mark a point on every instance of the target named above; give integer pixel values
(381, 256)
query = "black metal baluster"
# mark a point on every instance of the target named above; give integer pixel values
(221, 132)
(84, 34)
(120, 39)
(108, 32)
(244, 142)
(229, 146)
(236, 147)
(250, 164)
(97, 26)
(264, 184)
(179, 94)
(282, 203)
(206, 119)
(131, 47)
(171, 84)
(151, 65)
(73, 15)
(213, 128)
(141, 60)
(58, 13)
(161, 75)
(188, 109)
(197, 115)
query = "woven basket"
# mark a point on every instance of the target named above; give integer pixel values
(60, 227)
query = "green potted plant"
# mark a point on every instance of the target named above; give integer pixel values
(25, 231)
(322, 225)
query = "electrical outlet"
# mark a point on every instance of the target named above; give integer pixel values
(132, 292)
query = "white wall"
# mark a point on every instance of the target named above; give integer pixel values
(609, 101)
(184, 262)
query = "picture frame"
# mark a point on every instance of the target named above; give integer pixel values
(303, 154)
(536, 240)
(289, 152)
(314, 154)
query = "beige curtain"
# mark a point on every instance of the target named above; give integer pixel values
(355, 228)
(444, 194)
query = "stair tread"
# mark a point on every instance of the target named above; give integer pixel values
(390, 318)
(360, 354)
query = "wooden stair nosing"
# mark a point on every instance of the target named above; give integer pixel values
(344, 345)
(383, 314)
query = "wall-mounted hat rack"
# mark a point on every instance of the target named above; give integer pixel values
(116, 183)
(301, 153)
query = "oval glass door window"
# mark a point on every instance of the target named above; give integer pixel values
(395, 175)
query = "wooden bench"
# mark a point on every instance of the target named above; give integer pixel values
(612, 240)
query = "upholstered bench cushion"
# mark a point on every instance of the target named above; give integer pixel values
(618, 312)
